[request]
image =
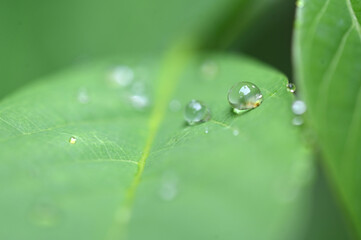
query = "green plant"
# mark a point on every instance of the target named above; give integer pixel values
(101, 150)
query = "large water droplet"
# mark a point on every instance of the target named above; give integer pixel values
(122, 76)
(291, 87)
(72, 140)
(244, 96)
(196, 112)
(169, 186)
(299, 107)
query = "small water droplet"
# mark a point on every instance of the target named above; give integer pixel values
(72, 140)
(169, 186)
(44, 215)
(291, 87)
(139, 101)
(235, 132)
(244, 96)
(122, 76)
(297, 121)
(83, 96)
(299, 107)
(175, 105)
(300, 3)
(209, 69)
(206, 130)
(196, 112)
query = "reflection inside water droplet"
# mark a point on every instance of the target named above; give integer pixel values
(72, 140)
(244, 96)
(196, 112)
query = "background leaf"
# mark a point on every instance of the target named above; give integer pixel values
(327, 61)
(40, 37)
(141, 172)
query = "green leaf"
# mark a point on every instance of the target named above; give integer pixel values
(140, 172)
(40, 37)
(327, 64)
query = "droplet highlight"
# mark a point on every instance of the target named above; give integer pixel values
(196, 112)
(291, 87)
(244, 96)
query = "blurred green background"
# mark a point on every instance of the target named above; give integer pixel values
(41, 37)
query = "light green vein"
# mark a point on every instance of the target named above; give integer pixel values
(172, 66)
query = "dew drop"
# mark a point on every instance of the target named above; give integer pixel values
(122, 76)
(139, 101)
(169, 186)
(291, 87)
(175, 105)
(299, 107)
(244, 96)
(83, 96)
(209, 69)
(235, 132)
(297, 121)
(72, 140)
(196, 112)
(206, 130)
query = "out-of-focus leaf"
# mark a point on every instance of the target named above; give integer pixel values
(327, 64)
(38, 37)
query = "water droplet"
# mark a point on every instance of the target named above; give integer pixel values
(299, 107)
(196, 112)
(297, 121)
(209, 69)
(300, 3)
(83, 96)
(175, 105)
(44, 215)
(72, 140)
(235, 132)
(122, 76)
(244, 96)
(206, 130)
(291, 87)
(169, 186)
(139, 101)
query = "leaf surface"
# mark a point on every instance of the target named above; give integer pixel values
(137, 171)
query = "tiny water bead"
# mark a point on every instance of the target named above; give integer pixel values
(72, 140)
(83, 96)
(175, 105)
(291, 87)
(122, 75)
(244, 96)
(196, 112)
(297, 121)
(299, 107)
(209, 69)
